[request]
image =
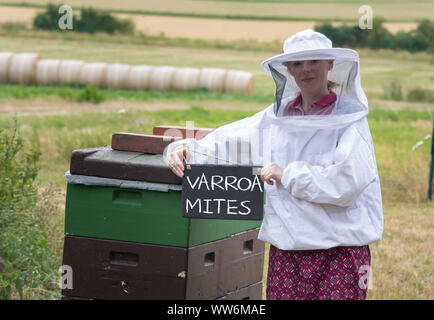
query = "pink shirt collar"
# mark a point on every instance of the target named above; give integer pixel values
(324, 101)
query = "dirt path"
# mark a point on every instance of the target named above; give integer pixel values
(52, 106)
(55, 106)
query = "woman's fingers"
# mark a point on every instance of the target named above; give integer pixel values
(271, 171)
(266, 176)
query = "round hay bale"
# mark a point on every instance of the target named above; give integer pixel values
(186, 78)
(161, 78)
(239, 82)
(212, 79)
(5, 59)
(69, 71)
(47, 71)
(93, 74)
(139, 77)
(22, 68)
(116, 76)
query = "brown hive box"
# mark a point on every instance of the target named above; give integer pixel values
(230, 268)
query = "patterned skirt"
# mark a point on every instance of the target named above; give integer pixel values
(339, 273)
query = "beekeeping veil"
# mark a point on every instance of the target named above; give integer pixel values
(351, 101)
(262, 129)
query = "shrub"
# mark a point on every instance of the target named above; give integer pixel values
(408, 41)
(379, 37)
(47, 20)
(90, 94)
(90, 21)
(420, 95)
(424, 33)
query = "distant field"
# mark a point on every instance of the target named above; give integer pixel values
(202, 28)
(403, 11)
(212, 29)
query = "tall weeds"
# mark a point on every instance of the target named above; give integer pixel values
(27, 262)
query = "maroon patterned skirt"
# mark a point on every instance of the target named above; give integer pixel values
(339, 273)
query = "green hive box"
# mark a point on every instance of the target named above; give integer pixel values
(136, 215)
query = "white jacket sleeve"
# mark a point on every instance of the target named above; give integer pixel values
(340, 183)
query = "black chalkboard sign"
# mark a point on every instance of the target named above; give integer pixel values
(222, 192)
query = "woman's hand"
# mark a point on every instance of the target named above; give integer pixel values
(271, 171)
(175, 160)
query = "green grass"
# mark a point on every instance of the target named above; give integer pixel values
(29, 256)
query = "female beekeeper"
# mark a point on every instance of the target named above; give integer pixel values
(323, 199)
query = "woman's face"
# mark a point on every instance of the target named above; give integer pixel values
(310, 75)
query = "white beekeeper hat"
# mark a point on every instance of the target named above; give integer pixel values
(309, 45)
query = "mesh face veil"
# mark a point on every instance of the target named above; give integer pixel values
(351, 103)
(344, 74)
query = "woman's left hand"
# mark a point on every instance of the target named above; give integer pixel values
(271, 171)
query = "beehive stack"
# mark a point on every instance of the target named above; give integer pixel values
(125, 237)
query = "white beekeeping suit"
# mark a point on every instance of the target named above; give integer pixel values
(329, 193)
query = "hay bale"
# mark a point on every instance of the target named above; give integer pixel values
(239, 82)
(69, 71)
(93, 74)
(212, 79)
(139, 77)
(22, 68)
(116, 76)
(186, 78)
(162, 78)
(5, 60)
(47, 71)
